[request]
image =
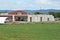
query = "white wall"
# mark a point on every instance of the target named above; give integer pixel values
(36, 18)
(2, 19)
(3, 13)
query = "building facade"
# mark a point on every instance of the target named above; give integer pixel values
(40, 18)
(17, 17)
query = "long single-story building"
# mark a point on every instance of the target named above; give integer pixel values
(23, 17)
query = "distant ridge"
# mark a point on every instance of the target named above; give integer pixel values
(5, 11)
(32, 11)
(43, 11)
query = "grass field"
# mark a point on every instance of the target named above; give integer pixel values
(30, 32)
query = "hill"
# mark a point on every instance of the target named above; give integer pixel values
(32, 11)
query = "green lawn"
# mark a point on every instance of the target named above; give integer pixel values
(30, 32)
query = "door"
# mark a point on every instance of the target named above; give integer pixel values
(30, 19)
(40, 19)
(47, 19)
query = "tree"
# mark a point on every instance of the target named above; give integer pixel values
(37, 13)
(55, 14)
(58, 14)
(52, 13)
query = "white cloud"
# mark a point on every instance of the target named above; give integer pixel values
(48, 3)
(18, 3)
(41, 1)
(29, 4)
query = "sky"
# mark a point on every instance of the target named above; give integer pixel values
(29, 4)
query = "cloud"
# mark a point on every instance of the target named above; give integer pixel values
(48, 4)
(43, 2)
(29, 4)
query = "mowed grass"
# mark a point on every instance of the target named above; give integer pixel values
(30, 32)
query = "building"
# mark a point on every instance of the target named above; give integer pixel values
(16, 17)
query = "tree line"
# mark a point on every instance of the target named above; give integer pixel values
(55, 14)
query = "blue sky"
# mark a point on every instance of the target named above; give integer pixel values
(29, 4)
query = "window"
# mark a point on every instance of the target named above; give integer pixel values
(41, 19)
(47, 19)
(30, 19)
(18, 13)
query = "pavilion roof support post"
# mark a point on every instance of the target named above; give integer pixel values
(13, 17)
